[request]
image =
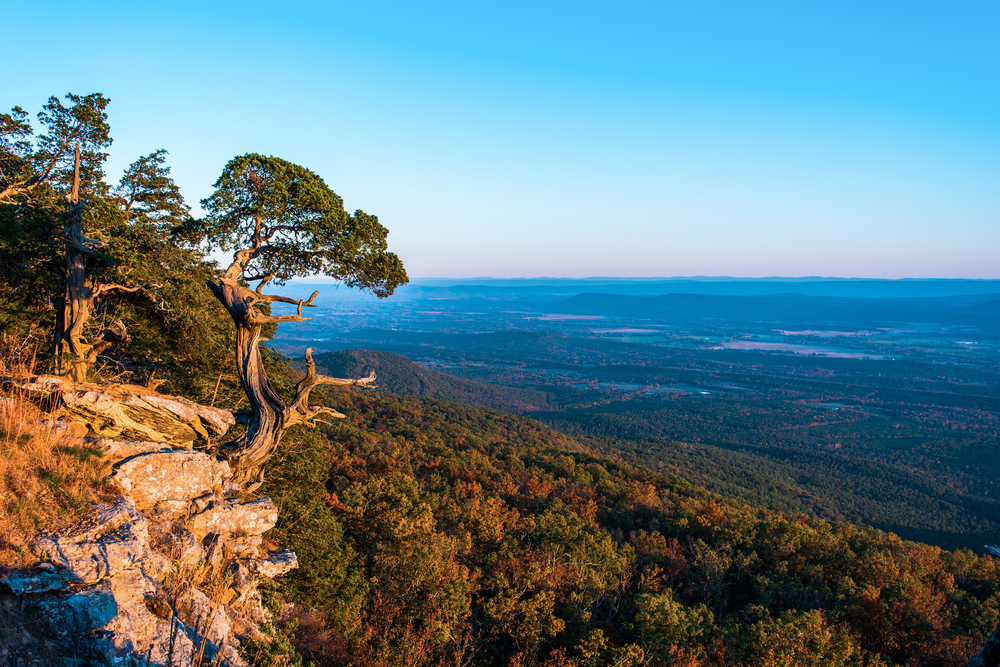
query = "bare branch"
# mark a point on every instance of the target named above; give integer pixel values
(74, 197)
(351, 382)
(114, 287)
(263, 282)
(106, 339)
(316, 412)
(13, 190)
(312, 380)
(256, 317)
(286, 299)
(252, 296)
(111, 335)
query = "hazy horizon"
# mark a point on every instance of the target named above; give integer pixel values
(698, 278)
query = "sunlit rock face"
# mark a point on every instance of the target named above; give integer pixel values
(170, 479)
(166, 574)
(127, 412)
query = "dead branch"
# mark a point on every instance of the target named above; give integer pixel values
(313, 380)
(106, 339)
(263, 282)
(257, 318)
(113, 287)
(250, 297)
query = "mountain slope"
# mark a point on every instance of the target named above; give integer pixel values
(398, 375)
(434, 533)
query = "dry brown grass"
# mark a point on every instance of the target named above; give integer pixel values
(47, 481)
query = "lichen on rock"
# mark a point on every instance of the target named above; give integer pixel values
(149, 578)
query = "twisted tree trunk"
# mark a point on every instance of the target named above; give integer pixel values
(270, 416)
(75, 354)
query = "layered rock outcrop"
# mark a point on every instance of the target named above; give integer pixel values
(124, 412)
(166, 574)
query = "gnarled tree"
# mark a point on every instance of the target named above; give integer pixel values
(282, 221)
(74, 351)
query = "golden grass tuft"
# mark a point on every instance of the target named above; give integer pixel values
(47, 481)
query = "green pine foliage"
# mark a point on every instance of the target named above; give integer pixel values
(178, 334)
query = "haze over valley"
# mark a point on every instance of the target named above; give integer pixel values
(871, 401)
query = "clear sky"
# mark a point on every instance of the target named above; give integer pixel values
(571, 138)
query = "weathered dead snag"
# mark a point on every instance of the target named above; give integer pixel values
(76, 353)
(269, 416)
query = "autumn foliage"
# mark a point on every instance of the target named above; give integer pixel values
(431, 533)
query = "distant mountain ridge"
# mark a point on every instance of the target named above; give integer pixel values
(956, 309)
(552, 289)
(854, 288)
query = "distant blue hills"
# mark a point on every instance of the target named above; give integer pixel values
(546, 289)
(794, 307)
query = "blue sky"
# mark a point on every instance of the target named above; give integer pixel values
(572, 139)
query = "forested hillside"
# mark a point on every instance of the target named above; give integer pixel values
(845, 466)
(435, 533)
(398, 375)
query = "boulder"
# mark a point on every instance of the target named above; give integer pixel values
(188, 551)
(175, 475)
(72, 614)
(118, 450)
(167, 510)
(104, 597)
(207, 618)
(278, 562)
(214, 552)
(62, 429)
(244, 547)
(133, 416)
(113, 539)
(106, 649)
(174, 643)
(136, 620)
(155, 565)
(36, 582)
(230, 516)
(241, 579)
(153, 631)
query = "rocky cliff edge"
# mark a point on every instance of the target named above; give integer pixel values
(166, 574)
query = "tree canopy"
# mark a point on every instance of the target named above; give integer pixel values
(172, 321)
(26, 161)
(282, 221)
